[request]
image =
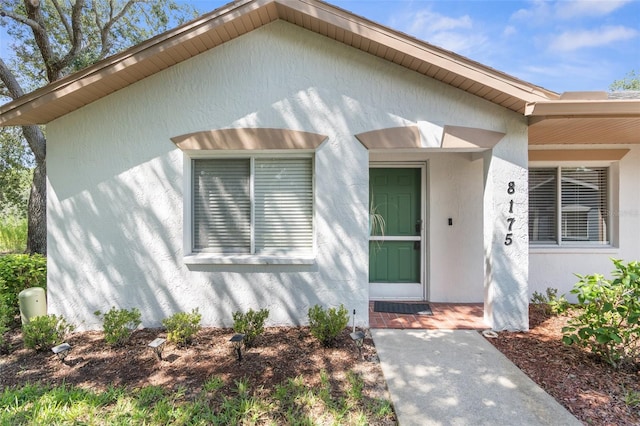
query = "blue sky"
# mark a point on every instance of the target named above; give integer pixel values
(560, 45)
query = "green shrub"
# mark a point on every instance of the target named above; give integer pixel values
(20, 271)
(609, 322)
(250, 324)
(550, 303)
(5, 316)
(44, 332)
(182, 326)
(326, 325)
(119, 324)
(13, 234)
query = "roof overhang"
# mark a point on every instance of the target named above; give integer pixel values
(235, 19)
(584, 122)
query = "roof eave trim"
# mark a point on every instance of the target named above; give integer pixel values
(584, 109)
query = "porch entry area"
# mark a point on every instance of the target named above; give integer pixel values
(445, 316)
(397, 205)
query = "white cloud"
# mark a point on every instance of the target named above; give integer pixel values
(509, 30)
(539, 13)
(580, 8)
(574, 40)
(542, 12)
(452, 33)
(428, 22)
(553, 75)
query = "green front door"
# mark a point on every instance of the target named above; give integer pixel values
(395, 247)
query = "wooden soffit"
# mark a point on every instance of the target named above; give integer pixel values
(584, 121)
(248, 139)
(577, 154)
(448, 137)
(241, 17)
(573, 131)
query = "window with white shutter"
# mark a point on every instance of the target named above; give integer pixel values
(569, 205)
(261, 206)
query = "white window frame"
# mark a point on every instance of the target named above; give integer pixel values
(203, 258)
(612, 208)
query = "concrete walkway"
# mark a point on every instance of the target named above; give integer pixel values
(456, 377)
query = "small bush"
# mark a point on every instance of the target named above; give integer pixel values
(609, 322)
(182, 326)
(550, 303)
(326, 325)
(21, 271)
(44, 332)
(250, 324)
(119, 324)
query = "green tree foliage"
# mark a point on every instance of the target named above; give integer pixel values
(5, 315)
(16, 164)
(630, 82)
(51, 39)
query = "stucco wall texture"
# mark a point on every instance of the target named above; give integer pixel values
(116, 183)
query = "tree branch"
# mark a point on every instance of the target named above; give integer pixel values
(34, 13)
(10, 81)
(64, 19)
(96, 14)
(75, 39)
(105, 31)
(21, 19)
(33, 134)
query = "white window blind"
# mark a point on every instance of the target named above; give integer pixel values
(283, 206)
(569, 205)
(584, 204)
(542, 205)
(221, 206)
(258, 205)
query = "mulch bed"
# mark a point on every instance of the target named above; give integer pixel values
(596, 393)
(281, 353)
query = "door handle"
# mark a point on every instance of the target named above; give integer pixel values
(418, 226)
(416, 245)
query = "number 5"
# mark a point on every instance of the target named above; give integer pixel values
(508, 240)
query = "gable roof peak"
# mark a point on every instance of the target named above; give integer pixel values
(243, 16)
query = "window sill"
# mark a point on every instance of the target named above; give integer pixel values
(555, 249)
(246, 259)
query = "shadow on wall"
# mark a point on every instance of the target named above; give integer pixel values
(116, 234)
(117, 241)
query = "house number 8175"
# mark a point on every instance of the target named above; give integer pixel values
(508, 239)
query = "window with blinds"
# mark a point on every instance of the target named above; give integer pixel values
(258, 206)
(569, 205)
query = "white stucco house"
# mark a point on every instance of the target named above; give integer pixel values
(233, 163)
